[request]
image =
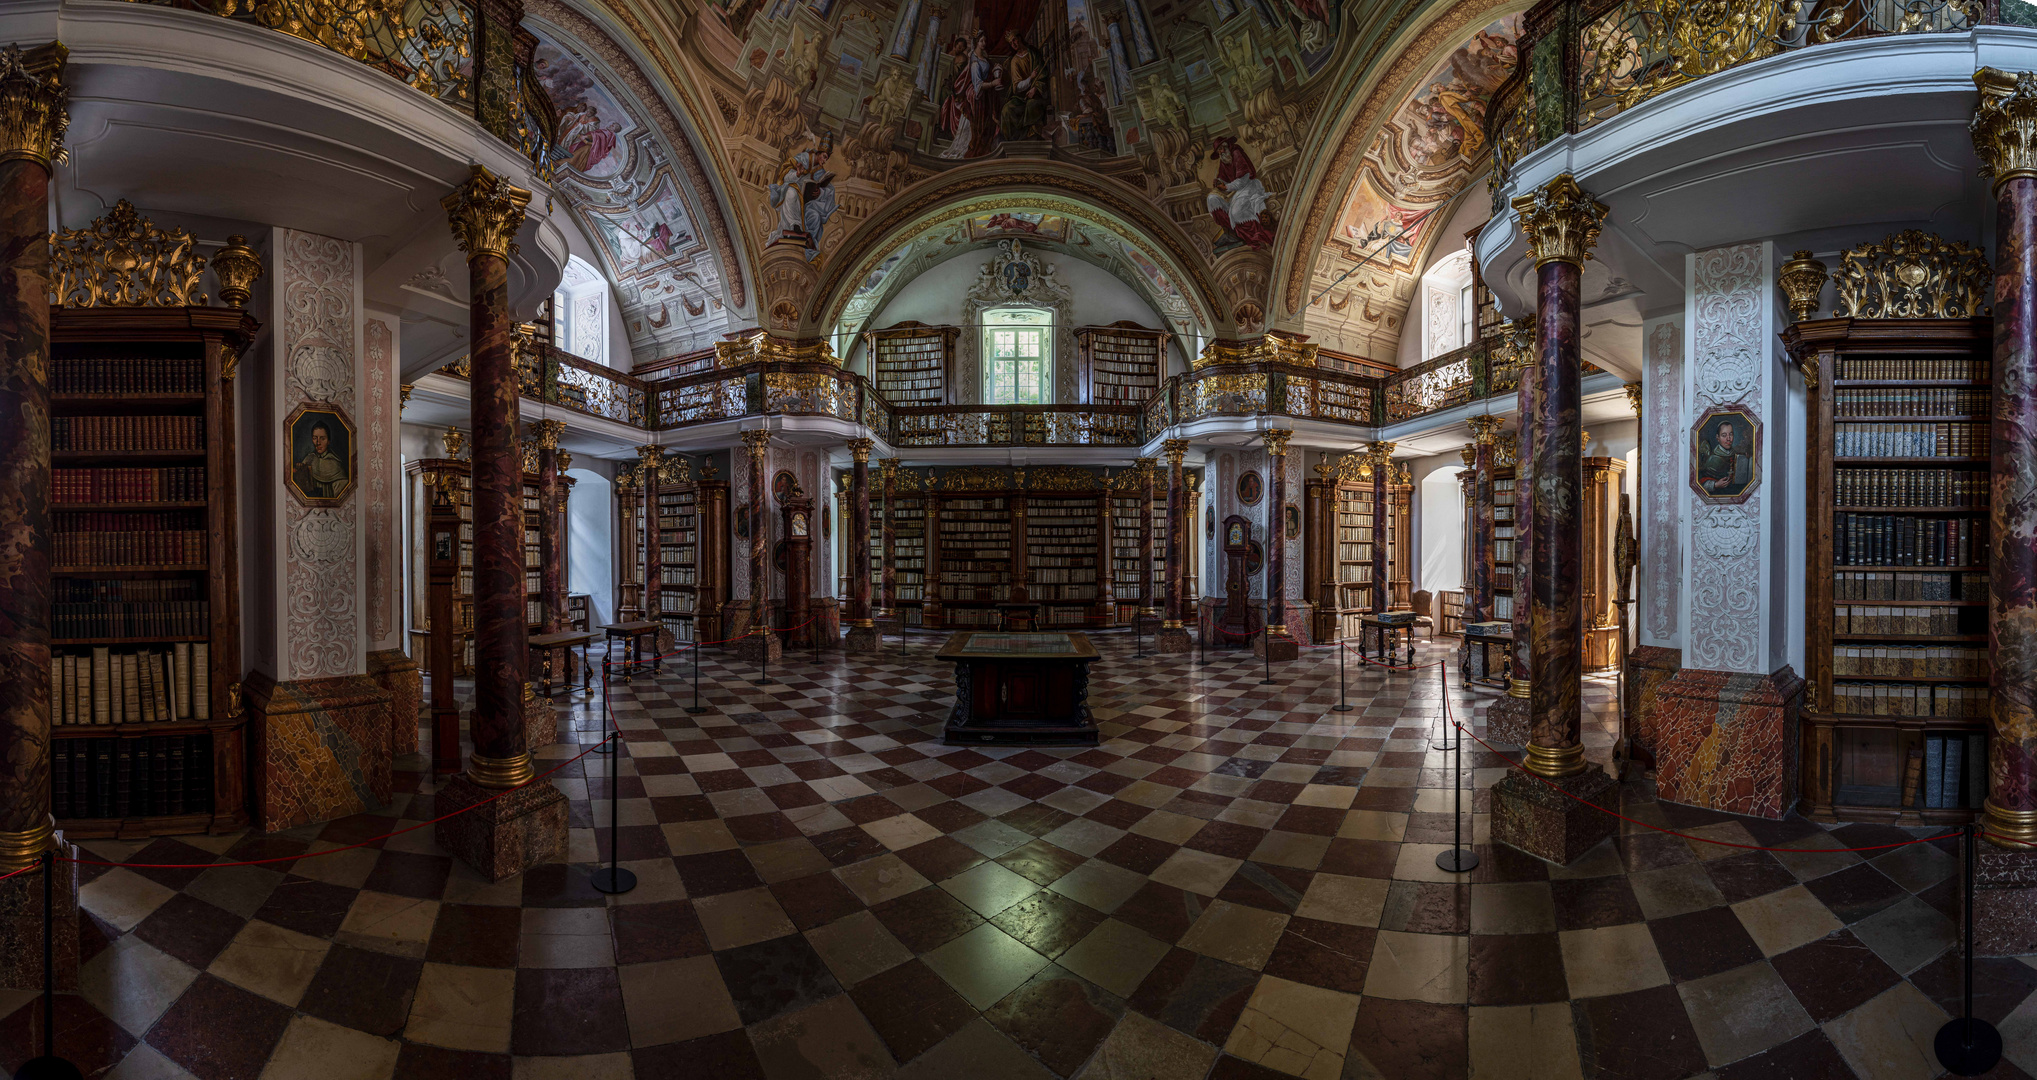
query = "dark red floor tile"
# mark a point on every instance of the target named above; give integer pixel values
(1331, 955)
(1058, 1018)
(774, 977)
(1410, 1040)
(666, 930)
(1702, 943)
(364, 990)
(562, 1011)
(1516, 969)
(308, 907)
(190, 929)
(1040, 862)
(727, 1056)
(420, 1062)
(218, 1031)
(911, 1008)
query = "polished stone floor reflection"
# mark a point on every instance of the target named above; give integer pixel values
(1237, 884)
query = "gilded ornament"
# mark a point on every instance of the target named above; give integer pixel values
(1633, 390)
(1176, 450)
(529, 450)
(1559, 221)
(1808, 364)
(123, 260)
(1506, 453)
(453, 441)
(548, 432)
(1635, 52)
(757, 441)
(485, 213)
(1381, 453)
(859, 450)
(675, 470)
(1269, 348)
(1469, 452)
(403, 395)
(236, 266)
(33, 103)
(1276, 441)
(757, 346)
(2004, 126)
(1485, 429)
(565, 460)
(1913, 275)
(650, 455)
(1801, 280)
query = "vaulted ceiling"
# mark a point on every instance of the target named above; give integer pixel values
(1279, 148)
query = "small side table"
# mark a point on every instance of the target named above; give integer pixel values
(553, 644)
(632, 635)
(1485, 637)
(1386, 631)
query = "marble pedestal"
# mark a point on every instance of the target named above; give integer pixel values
(1529, 816)
(861, 639)
(21, 926)
(760, 647)
(399, 676)
(2004, 901)
(1275, 648)
(1648, 667)
(540, 719)
(318, 749)
(1507, 721)
(1175, 640)
(1727, 741)
(504, 837)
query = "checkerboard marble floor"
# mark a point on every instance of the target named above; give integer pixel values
(1238, 884)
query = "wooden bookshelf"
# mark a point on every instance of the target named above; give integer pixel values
(908, 513)
(911, 362)
(629, 527)
(1061, 550)
(1896, 696)
(692, 551)
(1504, 544)
(458, 479)
(146, 597)
(1120, 364)
(579, 614)
(970, 552)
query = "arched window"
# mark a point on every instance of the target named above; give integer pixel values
(1449, 313)
(580, 312)
(1018, 356)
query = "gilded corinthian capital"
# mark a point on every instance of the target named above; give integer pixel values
(859, 450)
(650, 454)
(1175, 449)
(1381, 452)
(757, 441)
(2004, 124)
(485, 213)
(1560, 221)
(32, 100)
(1276, 441)
(1485, 429)
(548, 432)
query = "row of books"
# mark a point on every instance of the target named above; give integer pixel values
(676, 575)
(127, 433)
(1910, 487)
(955, 575)
(139, 687)
(131, 521)
(1910, 403)
(183, 483)
(1949, 772)
(676, 603)
(1060, 577)
(1915, 368)
(1135, 364)
(122, 375)
(125, 590)
(124, 778)
(1902, 540)
(1909, 661)
(1502, 607)
(177, 618)
(1869, 585)
(1895, 699)
(1064, 592)
(1943, 439)
(1894, 621)
(1354, 552)
(1057, 561)
(179, 547)
(534, 612)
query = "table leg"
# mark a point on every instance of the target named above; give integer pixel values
(586, 669)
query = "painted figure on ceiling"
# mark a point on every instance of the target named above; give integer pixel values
(969, 114)
(1028, 108)
(805, 196)
(1237, 198)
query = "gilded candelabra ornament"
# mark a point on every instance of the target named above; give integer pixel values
(1913, 275)
(1802, 281)
(2004, 125)
(33, 103)
(123, 260)
(237, 267)
(1469, 452)
(485, 213)
(1560, 221)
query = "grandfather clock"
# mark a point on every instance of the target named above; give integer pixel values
(1237, 624)
(797, 565)
(443, 525)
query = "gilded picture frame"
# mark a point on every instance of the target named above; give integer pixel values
(321, 454)
(1725, 455)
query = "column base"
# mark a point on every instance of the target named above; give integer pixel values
(1173, 640)
(1507, 720)
(21, 926)
(1728, 742)
(1275, 648)
(756, 647)
(505, 837)
(1528, 816)
(861, 639)
(540, 719)
(2004, 901)
(320, 749)
(399, 676)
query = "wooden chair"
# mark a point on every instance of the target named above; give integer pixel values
(1424, 616)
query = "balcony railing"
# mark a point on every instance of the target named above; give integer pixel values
(429, 45)
(1261, 388)
(1583, 62)
(1016, 425)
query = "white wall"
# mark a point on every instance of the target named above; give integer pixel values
(1441, 533)
(590, 521)
(1473, 207)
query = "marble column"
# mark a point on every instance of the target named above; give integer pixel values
(551, 581)
(1561, 223)
(1173, 637)
(862, 636)
(1507, 720)
(1275, 643)
(649, 457)
(1381, 456)
(31, 130)
(887, 472)
(1478, 591)
(2005, 897)
(759, 643)
(528, 825)
(1149, 595)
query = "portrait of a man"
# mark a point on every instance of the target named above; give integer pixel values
(1724, 462)
(321, 442)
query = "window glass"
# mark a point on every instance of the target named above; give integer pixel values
(1017, 356)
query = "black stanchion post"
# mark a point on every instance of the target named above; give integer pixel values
(1968, 1046)
(696, 708)
(1450, 736)
(1343, 697)
(613, 878)
(1201, 639)
(1459, 859)
(763, 662)
(49, 1066)
(1266, 654)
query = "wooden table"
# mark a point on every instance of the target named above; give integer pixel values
(1384, 631)
(1485, 637)
(1020, 689)
(567, 641)
(632, 634)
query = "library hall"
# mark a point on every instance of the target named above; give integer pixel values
(1018, 539)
